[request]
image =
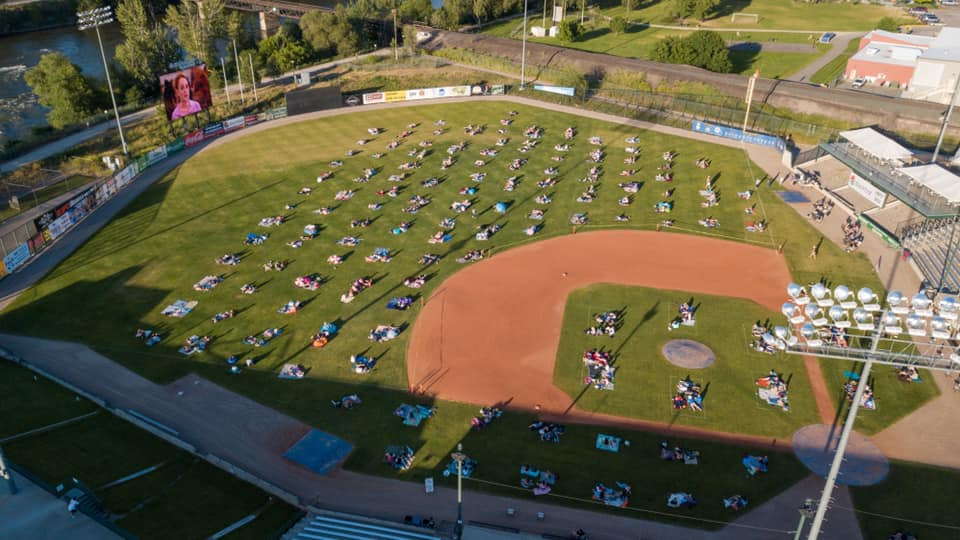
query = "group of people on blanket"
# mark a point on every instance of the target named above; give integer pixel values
(689, 394)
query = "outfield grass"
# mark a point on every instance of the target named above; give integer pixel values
(913, 498)
(723, 324)
(38, 401)
(167, 239)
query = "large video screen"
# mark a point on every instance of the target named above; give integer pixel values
(185, 92)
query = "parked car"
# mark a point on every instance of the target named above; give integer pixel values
(949, 2)
(916, 11)
(827, 37)
(859, 82)
(931, 19)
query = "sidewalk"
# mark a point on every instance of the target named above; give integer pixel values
(38, 515)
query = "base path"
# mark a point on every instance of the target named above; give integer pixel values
(491, 332)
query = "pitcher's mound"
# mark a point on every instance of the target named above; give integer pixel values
(863, 465)
(687, 353)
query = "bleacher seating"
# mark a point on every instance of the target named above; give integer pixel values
(342, 527)
(929, 241)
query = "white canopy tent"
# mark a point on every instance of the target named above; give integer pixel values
(935, 178)
(878, 145)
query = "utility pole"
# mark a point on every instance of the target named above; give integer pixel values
(946, 120)
(226, 82)
(396, 43)
(253, 78)
(239, 78)
(807, 510)
(544, 15)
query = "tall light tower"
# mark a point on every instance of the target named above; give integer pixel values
(523, 50)
(95, 18)
(459, 457)
(872, 336)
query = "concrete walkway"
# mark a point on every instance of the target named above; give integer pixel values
(36, 514)
(839, 45)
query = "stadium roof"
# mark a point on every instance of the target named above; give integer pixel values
(937, 179)
(877, 145)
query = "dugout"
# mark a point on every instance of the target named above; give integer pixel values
(307, 100)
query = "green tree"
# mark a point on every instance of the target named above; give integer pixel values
(415, 11)
(482, 10)
(700, 9)
(451, 14)
(889, 24)
(709, 51)
(332, 34)
(197, 25)
(679, 9)
(237, 29)
(284, 51)
(147, 48)
(62, 87)
(703, 48)
(569, 30)
(618, 25)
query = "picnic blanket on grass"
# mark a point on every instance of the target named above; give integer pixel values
(413, 414)
(608, 443)
(180, 308)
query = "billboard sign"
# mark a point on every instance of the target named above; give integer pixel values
(17, 257)
(213, 130)
(562, 90)
(738, 135)
(867, 190)
(193, 138)
(157, 154)
(185, 92)
(232, 124)
(373, 97)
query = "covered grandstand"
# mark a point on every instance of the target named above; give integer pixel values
(882, 169)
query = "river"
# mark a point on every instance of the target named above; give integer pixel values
(19, 109)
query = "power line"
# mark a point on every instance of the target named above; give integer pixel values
(896, 518)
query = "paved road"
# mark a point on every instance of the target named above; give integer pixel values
(839, 46)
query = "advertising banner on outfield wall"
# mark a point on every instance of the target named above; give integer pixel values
(452, 91)
(125, 176)
(562, 90)
(193, 138)
(213, 130)
(17, 257)
(373, 97)
(251, 119)
(3, 270)
(232, 124)
(175, 146)
(157, 154)
(58, 227)
(37, 242)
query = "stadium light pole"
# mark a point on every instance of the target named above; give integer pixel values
(95, 18)
(523, 50)
(253, 77)
(226, 81)
(946, 120)
(459, 456)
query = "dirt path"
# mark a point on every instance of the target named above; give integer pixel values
(491, 333)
